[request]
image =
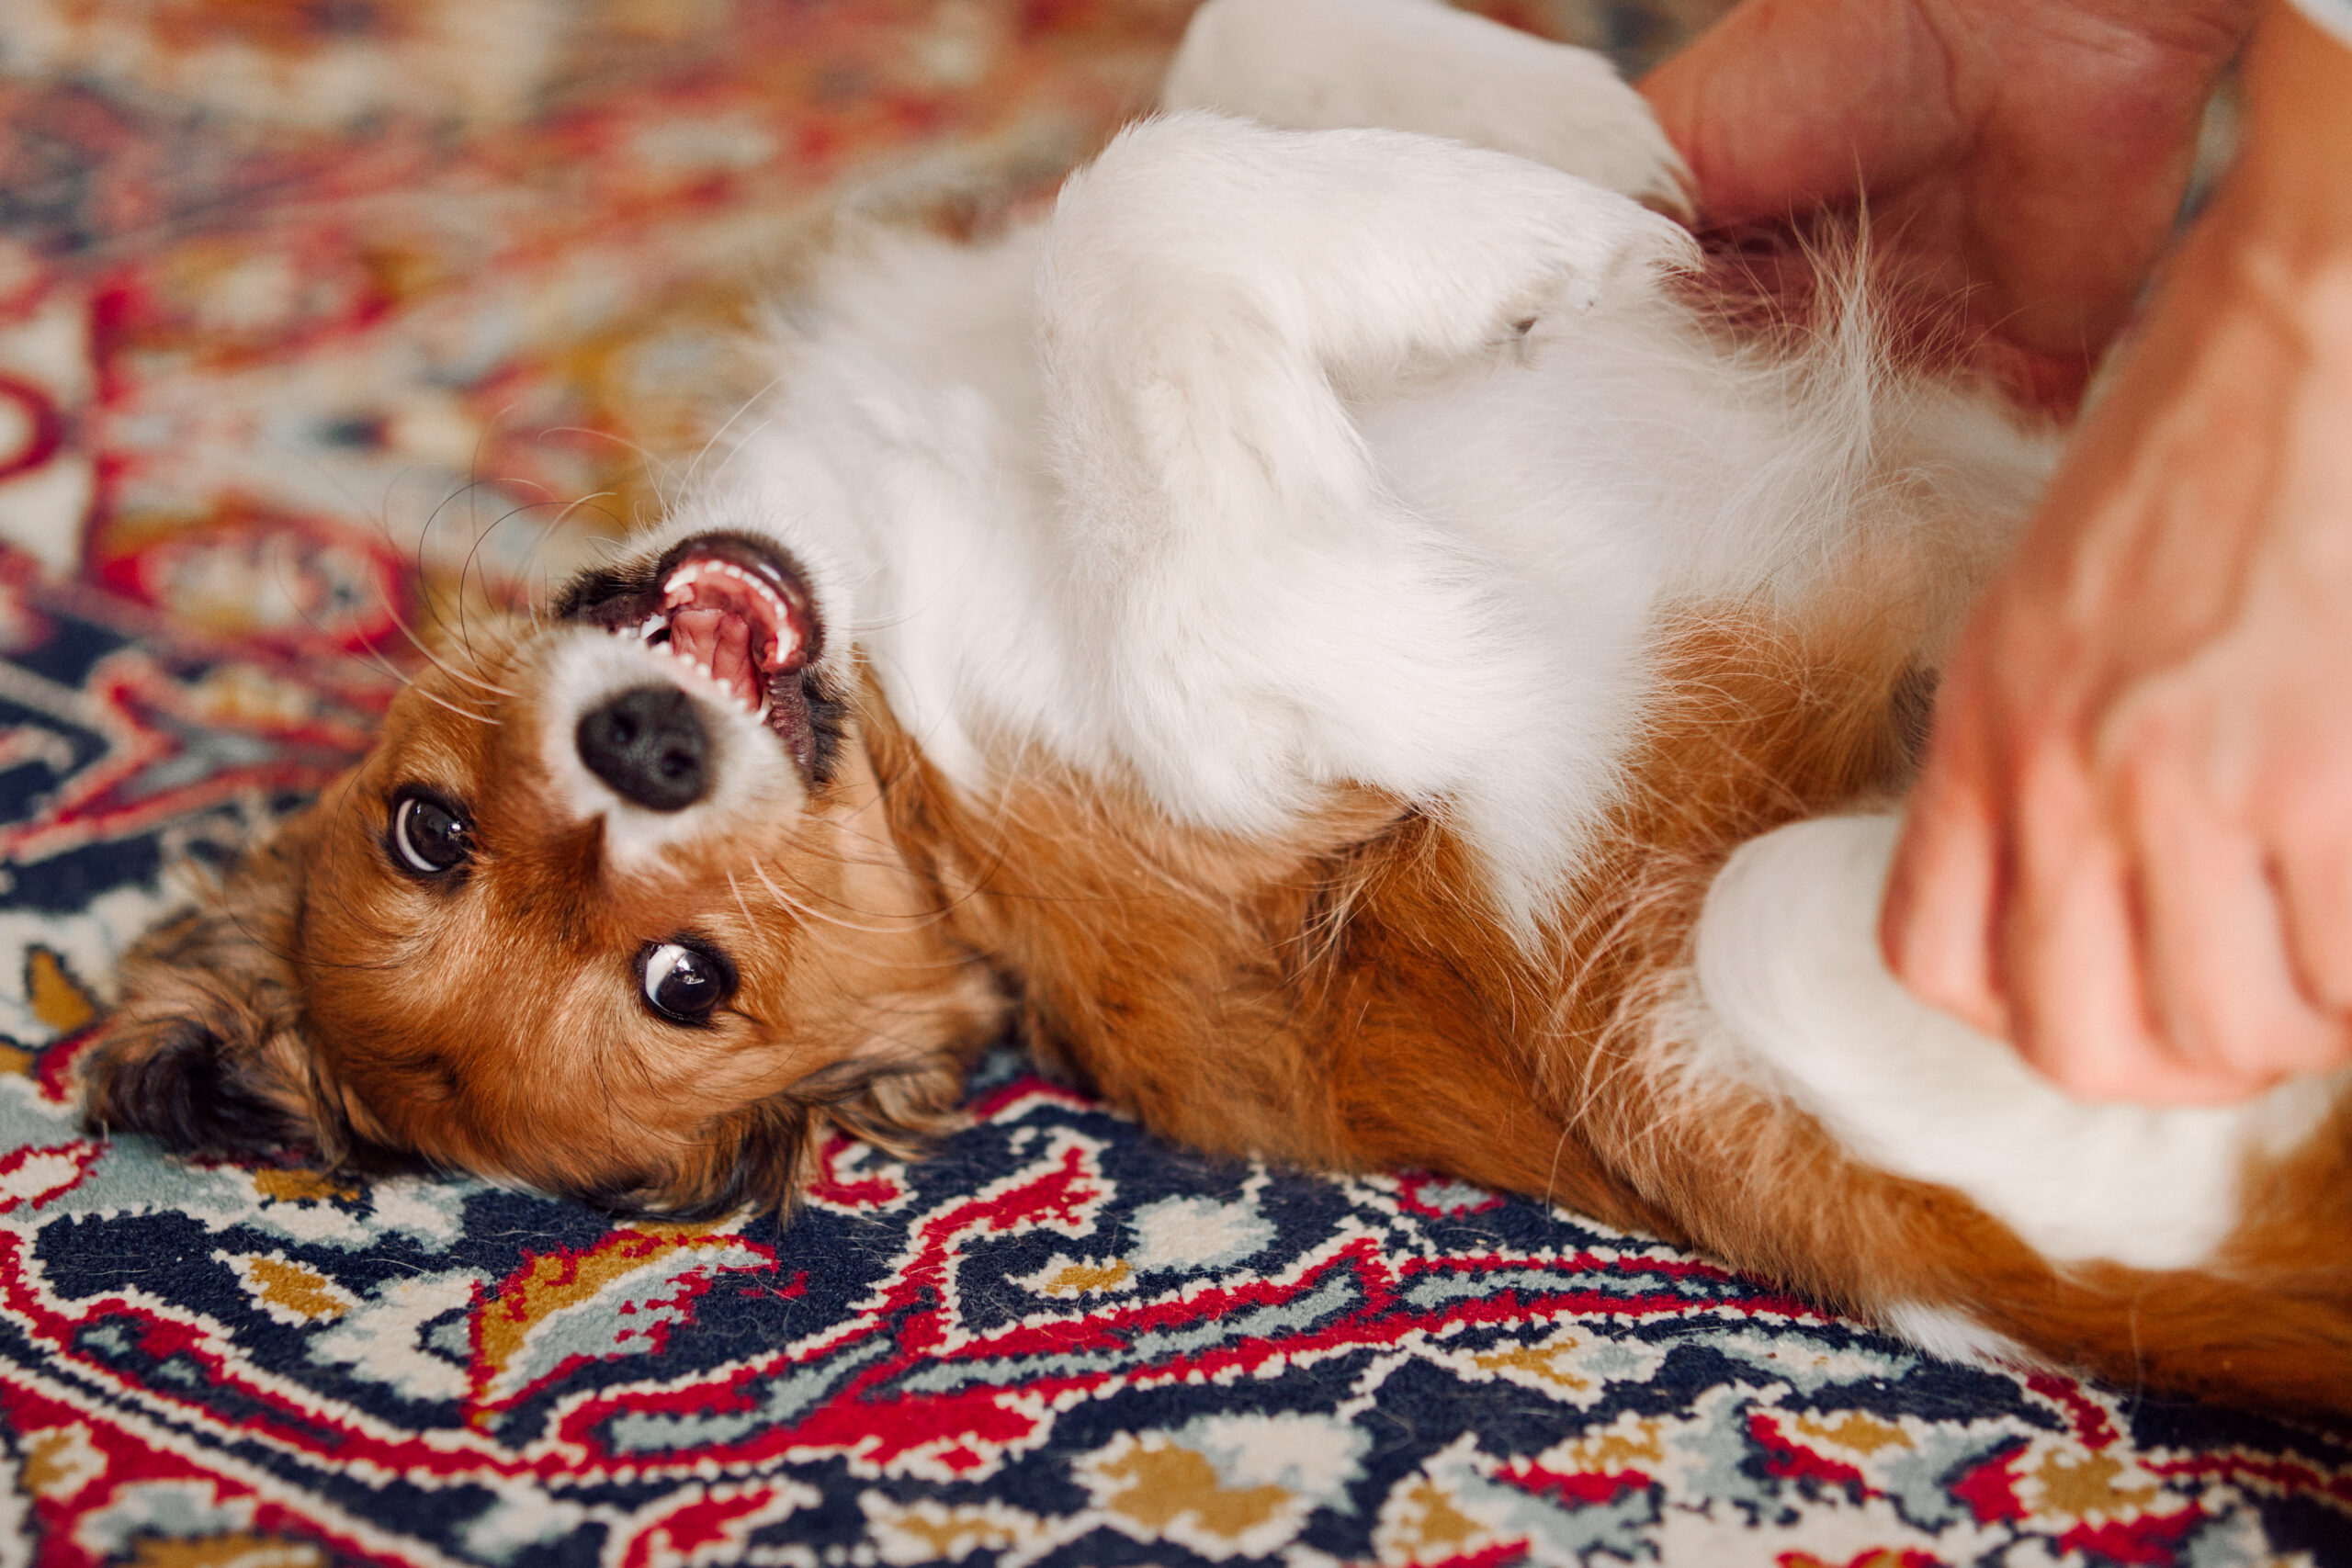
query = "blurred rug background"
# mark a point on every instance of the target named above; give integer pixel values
(306, 303)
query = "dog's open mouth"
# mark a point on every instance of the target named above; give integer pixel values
(735, 611)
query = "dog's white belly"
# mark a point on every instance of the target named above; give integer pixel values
(1631, 458)
(1552, 548)
(1788, 964)
(1420, 65)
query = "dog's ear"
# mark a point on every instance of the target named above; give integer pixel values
(899, 1092)
(764, 1157)
(206, 1050)
(759, 1158)
(902, 1106)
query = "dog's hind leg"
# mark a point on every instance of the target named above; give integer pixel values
(1420, 65)
(2205, 1245)
(1788, 961)
(1257, 615)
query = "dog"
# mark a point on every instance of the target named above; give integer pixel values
(1337, 641)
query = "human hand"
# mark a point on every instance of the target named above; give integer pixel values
(2024, 159)
(2130, 847)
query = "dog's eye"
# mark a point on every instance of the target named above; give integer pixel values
(683, 983)
(428, 835)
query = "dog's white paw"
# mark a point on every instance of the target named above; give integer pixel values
(1570, 109)
(1420, 65)
(1586, 247)
(1357, 250)
(1457, 248)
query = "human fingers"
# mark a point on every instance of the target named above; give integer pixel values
(2215, 960)
(1935, 927)
(2084, 118)
(2069, 959)
(2312, 873)
(2022, 161)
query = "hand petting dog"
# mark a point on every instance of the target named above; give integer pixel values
(2125, 850)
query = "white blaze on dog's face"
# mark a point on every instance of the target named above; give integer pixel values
(613, 911)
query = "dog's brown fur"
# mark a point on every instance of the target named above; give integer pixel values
(1334, 997)
(1340, 1003)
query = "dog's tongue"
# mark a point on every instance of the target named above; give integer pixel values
(720, 642)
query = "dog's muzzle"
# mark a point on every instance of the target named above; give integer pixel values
(738, 612)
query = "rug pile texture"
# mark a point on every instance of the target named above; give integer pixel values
(306, 305)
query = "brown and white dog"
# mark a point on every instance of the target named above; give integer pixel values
(1331, 640)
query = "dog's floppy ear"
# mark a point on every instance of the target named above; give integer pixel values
(764, 1157)
(901, 1091)
(206, 1050)
(902, 1106)
(760, 1158)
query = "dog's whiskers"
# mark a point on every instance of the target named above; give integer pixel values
(790, 902)
(418, 643)
(653, 465)
(461, 712)
(738, 891)
(547, 532)
(384, 666)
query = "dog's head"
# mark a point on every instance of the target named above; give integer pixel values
(613, 911)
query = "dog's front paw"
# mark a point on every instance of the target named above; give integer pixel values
(1584, 247)
(1363, 250)
(1569, 108)
(1502, 249)
(1422, 66)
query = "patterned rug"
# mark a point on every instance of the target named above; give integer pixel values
(306, 303)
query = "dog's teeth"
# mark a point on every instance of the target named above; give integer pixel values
(651, 624)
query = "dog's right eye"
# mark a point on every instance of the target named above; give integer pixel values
(684, 983)
(428, 837)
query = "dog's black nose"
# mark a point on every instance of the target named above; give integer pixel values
(648, 744)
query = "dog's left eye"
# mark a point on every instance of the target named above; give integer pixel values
(428, 837)
(683, 983)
